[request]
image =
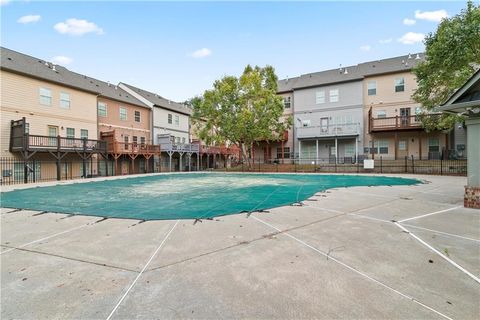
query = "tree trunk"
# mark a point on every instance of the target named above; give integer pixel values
(245, 156)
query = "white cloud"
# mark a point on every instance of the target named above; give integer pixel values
(77, 27)
(201, 53)
(409, 22)
(435, 16)
(62, 60)
(411, 38)
(385, 41)
(4, 2)
(365, 48)
(29, 19)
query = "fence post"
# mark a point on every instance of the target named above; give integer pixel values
(406, 167)
(441, 167)
(259, 164)
(381, 164)
(413, 165)
(25, 171)
(34, 171)
(335, 164)
(358, 166)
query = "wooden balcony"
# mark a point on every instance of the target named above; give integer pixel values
(397, 123)
(38, 143)
(129, 148)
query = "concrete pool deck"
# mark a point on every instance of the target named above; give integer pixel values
(397, 252)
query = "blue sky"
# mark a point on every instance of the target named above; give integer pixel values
(178, 49)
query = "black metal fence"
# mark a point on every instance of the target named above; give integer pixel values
(352, 165)
(16, 171)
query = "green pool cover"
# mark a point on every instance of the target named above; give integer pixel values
(184, 196)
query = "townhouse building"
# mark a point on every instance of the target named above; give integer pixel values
(361, 111)
(393, 127)
(280, 151)
(124, 122)
(170, 129)
(328, 115)
(47, 113)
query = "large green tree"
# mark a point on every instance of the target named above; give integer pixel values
(241, 111)
(452, 55)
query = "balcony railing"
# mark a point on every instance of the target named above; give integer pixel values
(406, 122)
(30, 142)
(350, 129)
(395, 123)
(132, 148)
(173, 147)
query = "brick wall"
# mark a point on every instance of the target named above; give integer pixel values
(472, 197)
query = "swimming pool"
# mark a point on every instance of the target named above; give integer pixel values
(184, 196)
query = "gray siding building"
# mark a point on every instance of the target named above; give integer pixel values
(328, 116)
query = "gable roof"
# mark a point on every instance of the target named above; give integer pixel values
(352, 73)
(464, 98)
(20, 63)
(37, 68)
(160, 101)
(114, 92)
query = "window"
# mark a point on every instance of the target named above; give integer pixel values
(183, 140)
(123, 113)
(125, 139)
(169, 118)
(286, 153)
(27, 127)
(334, 96)
(177, 120)
(287, 102)
(142, 140)
(381, 114)
(172, 139)
(45, 97)
(102, 109)
(137, 116)
(135, 140)
(306, 123)
(383, 146)
(64, 100)
(84, 133)
(349, 150)
(399, 84)
(70, 133)
(320, 97)
(177, 140)
(433, 145)
(372, 88)
(402, 145)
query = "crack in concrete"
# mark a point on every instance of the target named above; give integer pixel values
(72, 259)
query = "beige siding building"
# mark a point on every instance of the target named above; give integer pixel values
(53, 114)
(393, 130)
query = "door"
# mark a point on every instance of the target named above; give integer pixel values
(52, 132)
(405, 116)
(324, 124)
(402, 148)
